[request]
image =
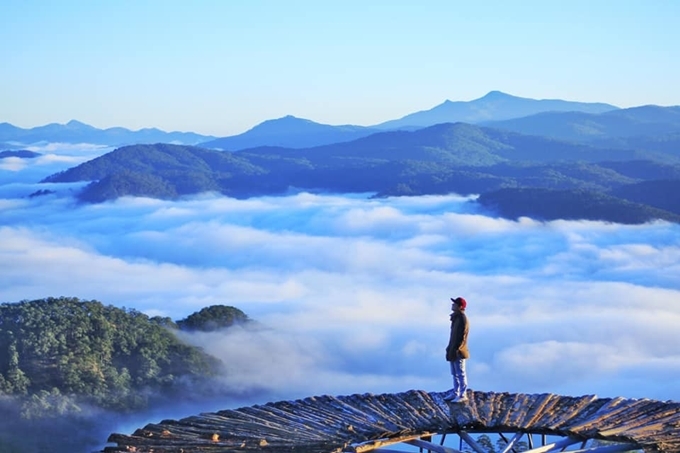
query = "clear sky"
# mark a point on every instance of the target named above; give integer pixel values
(221, 67)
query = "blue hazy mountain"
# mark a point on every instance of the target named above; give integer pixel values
(77, 132)
(290, 132)
(495, 106)
(634, 127)
(445, 158)
(20, 153)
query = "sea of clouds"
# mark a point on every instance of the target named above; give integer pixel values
(351, 294)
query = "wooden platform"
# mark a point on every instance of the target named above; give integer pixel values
(364, 422)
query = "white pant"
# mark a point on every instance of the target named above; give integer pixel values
(460, 384)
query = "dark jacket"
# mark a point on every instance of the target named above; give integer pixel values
(458, 348)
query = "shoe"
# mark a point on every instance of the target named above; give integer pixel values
(450, 396)
(459, 399)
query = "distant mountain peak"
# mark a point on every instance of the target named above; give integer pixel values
(284, 123)
(75, 124)
(496, 95)
(493, 106)
(491, 96)
(291, 132)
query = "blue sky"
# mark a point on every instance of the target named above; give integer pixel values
(221, 67)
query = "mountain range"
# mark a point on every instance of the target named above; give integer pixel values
(495, 106)
(77, 132)
(516, 174)
(295, 132)
(650, 126)
(576, 161)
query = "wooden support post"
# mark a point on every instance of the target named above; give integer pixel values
(471, 442)
(512, 442)
(555, 446)
(617, 448)
(431, 447)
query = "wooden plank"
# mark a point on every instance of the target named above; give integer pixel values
(540, 410)
(566, 409)
(610, 409)
(405, 408)
(471, 408)
(327, 424)
(372, 407)
(516, 411)
(620, 418)
(281, 421)
(462, 415)
(379, 443)
(424, 415)
(302, 418)
(499, 408)
(350, 413)
(484, 403)
(587, 413)
(653, 423)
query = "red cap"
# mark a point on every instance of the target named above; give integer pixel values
(460, 302)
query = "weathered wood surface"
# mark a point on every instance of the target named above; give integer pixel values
(361, 422)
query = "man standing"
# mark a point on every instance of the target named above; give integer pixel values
(457, 350)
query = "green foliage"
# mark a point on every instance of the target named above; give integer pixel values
(485, 442)
(158, 171)
(661, 194)
(127, 183)
(212, 318)
(546, 204)
(61, 352)
(48, 404)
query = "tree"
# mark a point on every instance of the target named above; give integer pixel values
(17, 381)
(90, 353)
(485, 442)
(212, 318)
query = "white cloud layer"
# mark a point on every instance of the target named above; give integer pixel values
(352, 294)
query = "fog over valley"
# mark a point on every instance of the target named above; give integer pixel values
(244, 226)
(351, 294)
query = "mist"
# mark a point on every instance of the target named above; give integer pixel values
(351, 294)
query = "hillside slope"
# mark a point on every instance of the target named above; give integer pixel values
(635, 128)
(89, 353)
(72, 369)
(445, 158)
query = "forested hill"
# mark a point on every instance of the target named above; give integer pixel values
(91, 353)
(446, 158)
(66, 363)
